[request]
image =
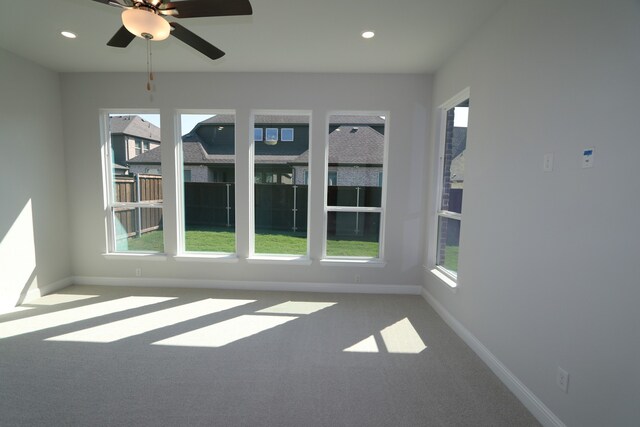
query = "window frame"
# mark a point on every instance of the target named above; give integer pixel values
(181, 252)
(282, 132)
(259, 257)
(451, 278)
(271, 130)
(109, 203)
(261, 130)
(380, 259)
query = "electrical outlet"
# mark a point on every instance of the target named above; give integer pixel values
(138, 272)
(562, 379)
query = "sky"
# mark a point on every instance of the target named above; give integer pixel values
(188, 121)
(461, 117)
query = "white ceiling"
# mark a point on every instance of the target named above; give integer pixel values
(412, 36)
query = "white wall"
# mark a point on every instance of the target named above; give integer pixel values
(33, 199)
(550, 262)
(406, 97)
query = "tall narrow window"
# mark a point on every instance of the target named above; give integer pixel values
(208, 162)
(451, 184)
(355, 203)
(134, 196)
(280, 188)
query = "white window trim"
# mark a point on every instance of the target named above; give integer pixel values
(380, 259)
(182, 254)
(449, 278)
(107, 187)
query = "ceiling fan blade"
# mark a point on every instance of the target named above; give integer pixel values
(117, 3)
(125, 4)
(121, 38)
(203, 8)
(196, 42)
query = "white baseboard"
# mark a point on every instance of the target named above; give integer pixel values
(38, 291)
(539, 410)
(250, 285)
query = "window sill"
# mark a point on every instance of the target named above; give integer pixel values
(136, 256)
(444, 278)
(365, 262)
(203, 256)
(279, 259)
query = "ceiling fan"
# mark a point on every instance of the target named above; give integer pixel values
(145, 19)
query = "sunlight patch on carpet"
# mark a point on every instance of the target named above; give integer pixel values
(226, 332)
(72, 315)
(401, 337)
(55, 299)
(367, 345)
(297, 307)
(137, 325)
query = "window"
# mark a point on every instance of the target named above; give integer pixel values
(257, 134)
(451, 183)
(138, 149)
(286, 134)
(134, 200)
(145, 146)
(279, 202)
(271, 134)
(354, 208)
(332, 178)
(208, 190)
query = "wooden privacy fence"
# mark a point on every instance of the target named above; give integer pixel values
(282, 207)
(138, 188)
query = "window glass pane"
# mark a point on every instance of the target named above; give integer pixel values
(135, 178)
(280, 192)
(257, 134)
(209, 184)
(286, 134)
(332, 178)
(455, 145)
(271, 134)
(356, 156)
(138, 229)
(448, 243)
(353, 234)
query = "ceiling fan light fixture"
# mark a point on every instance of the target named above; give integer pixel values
(146, 24)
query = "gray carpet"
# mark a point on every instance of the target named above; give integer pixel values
(95, 356)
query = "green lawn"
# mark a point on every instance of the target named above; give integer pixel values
(223, 240)
(451, 258)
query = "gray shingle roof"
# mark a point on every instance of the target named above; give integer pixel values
(265, 119)
(134, 126)
(357, 145)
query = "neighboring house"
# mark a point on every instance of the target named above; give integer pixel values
(356, 150)
(458, 147)
(132, 136)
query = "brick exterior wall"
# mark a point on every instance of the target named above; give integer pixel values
(347, 175)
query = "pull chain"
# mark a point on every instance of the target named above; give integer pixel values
(149, 65)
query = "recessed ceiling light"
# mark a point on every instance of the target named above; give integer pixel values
(68, 34)
(368, 34)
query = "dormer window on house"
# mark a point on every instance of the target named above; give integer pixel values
(271, 134)
(286, 134)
